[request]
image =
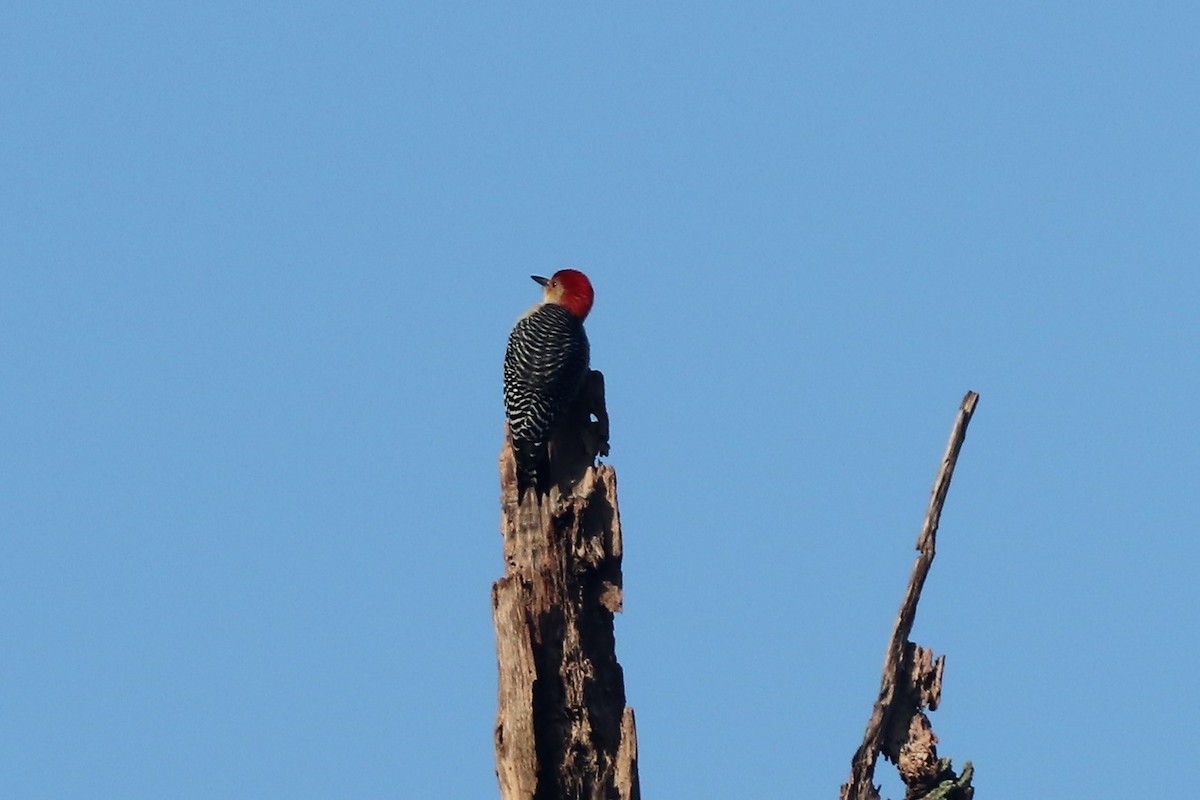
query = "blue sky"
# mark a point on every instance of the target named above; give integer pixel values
(258, 268)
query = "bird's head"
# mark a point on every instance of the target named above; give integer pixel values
(568, 288)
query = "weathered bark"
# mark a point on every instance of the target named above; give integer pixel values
(912, 677)
(563, 731)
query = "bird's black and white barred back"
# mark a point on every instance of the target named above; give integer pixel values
(544, 367)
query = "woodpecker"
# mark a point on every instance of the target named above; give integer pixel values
(544, 368)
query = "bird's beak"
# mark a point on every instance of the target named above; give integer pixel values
(540, 279)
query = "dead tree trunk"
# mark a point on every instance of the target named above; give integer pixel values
(563, 731)
(912, 677)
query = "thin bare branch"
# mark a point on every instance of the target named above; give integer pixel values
(912, 677)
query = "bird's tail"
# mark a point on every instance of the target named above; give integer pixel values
(533, 469)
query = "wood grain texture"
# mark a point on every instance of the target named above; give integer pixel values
(912, 677)
(563, 731)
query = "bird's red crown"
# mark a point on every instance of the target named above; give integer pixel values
(571, 289)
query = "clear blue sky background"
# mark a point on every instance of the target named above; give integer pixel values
(259, 263)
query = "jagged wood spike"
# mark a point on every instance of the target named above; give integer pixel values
(563, 731)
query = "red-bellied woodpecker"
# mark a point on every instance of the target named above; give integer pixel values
(544, 368)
